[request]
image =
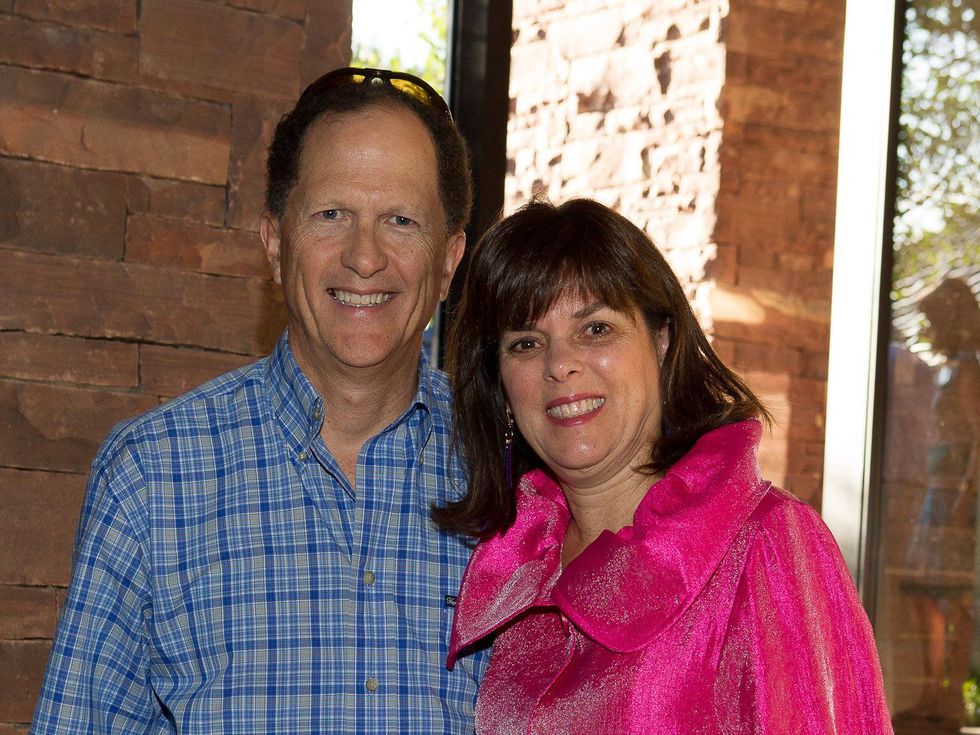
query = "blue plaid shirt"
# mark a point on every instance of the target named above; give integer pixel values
(228, 579)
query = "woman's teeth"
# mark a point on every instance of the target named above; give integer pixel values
(575, 408)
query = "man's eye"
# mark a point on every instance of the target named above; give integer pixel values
(330, 214)
(401, 221)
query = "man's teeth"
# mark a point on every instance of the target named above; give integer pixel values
(575, 408)
(355, 299)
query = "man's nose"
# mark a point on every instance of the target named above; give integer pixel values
(365, 254)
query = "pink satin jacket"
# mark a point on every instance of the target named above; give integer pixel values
(725, 608)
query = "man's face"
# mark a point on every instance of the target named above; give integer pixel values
(362, 251)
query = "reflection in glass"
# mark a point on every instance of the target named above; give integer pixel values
(926, 617)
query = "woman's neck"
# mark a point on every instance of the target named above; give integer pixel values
(606, 507)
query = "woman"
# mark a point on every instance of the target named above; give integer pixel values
(640, 576)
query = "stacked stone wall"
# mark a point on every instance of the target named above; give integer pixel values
(714, 128)
(132, 150)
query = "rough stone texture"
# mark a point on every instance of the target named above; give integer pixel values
(245, 51)
(176, 200)
(94, 124)
(59, 359)
(42, 45)
(20, 677)
(713, 126)
(57, 209)
(156, 241)
(59, 428)
(27, 612)
(88, 298)
(132, 167)
(38, 525)
(109, 15)
(170, 371)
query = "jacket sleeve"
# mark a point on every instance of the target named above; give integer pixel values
(97, 679)
(799, 653)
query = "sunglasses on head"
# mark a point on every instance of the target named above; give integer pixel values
(407, 84)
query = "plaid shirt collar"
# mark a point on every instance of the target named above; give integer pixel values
(300, 408)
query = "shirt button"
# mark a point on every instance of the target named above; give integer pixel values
(302, 456)
(371, 684)
(369, 578)
(317, 412)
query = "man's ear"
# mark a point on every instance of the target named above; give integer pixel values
(455, 247)
(271, 241)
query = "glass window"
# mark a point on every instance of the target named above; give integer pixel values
(926, 617)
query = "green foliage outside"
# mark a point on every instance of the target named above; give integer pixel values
(433, 70)
(937, 223)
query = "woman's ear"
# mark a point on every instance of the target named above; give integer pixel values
(662, 343)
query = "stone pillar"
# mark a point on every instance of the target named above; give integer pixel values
(132, 154)
(714, 128)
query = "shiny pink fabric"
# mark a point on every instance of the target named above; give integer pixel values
(725, 608)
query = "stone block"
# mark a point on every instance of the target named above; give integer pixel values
(804, 285)
(69, 359)
(754, 356)
(43, 45)
(90, 298)
(251, 131)
(54, 427)
(722, 267)
(171, 371)
(92, 124)
(295, 9)
(27, 612)
(21, 671)
(170, 243)
(216, 45)
(326, 44)
(57, 209)
(38, 525)
(118, 16)
(813, 36)
(176, 199)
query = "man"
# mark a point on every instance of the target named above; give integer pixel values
(257, 555)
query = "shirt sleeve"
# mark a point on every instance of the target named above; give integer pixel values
(799, 654)
(97, 679)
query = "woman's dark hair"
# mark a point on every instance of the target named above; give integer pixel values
(286, 148)
(520, 267)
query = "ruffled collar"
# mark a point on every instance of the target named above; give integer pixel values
(626, 587)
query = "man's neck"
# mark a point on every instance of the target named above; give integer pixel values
(358, 402)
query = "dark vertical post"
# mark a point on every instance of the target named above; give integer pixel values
(479, 83)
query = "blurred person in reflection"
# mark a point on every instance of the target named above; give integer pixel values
(939, 553)
(635, 572)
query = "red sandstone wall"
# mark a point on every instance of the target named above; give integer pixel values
(712, 125)
(132, 144)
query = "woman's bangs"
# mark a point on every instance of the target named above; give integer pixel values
(577, 269)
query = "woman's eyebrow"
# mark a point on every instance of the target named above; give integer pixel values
(589, 310)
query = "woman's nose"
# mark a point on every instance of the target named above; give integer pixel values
(562, 362)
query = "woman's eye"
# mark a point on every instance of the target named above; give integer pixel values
(598, 329)
(522, 344)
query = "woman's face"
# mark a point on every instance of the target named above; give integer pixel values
(584, 386)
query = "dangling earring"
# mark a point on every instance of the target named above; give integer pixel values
(509, 450)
